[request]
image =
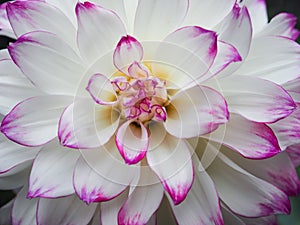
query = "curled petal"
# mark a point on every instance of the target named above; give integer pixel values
(128, 51)
(101, 90)
(132, 141)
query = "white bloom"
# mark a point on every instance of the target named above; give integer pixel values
(110, 105)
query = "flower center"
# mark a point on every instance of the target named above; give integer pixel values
(141, 95)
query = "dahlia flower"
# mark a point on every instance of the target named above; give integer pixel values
(114, 112)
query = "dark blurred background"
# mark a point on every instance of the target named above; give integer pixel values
(274, 7)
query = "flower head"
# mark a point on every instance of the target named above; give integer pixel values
(108, 106)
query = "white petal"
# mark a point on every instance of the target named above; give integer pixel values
(230, 218)
(27, 16)
(132, 141)
(207, 13)
(171, 161)
(101, 174)
(230, 29)
(14, 86)
(12, 154)
(282, 24)
(287, 130)
(201, 205)
(226, 55)
(143, 201)
(109, 210)
(24, 210)
(84, 124)
(5, 27)
(195, 111)
(258, 13)
(250, 139)
(94, 39)
(15, 178)
(29, 118)
(52, 171)
(256, 99)
(34, 121)
(278, 170)
(64, 211)
(48, 62)
(185, 56)
(244, 193)
(154, 22)
(272, 58)
(101, 90)
(5, 212)
(128, 51)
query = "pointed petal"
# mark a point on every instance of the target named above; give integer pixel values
(12, 154)
(95, 41)
(256, 99)
(204, 8)
(268, 59)
(5, 27)
(196, 111)
(143, 201)
(24, 210)
(110, 209)
(250, 139)
(128, 51)
(171, 161)
(34, 121)
(191, 49)
(52, 170)
(48, 62)
(282, 24)
(237, 22)
(14, 86)
(232, 182)
(258, 13)
(101, 90)
(201, 205)
(87, 125)
(278, 170)
(132, 141)
(226, 55)
(153, 22)
(28, 16)
(287, 130)
(58, 211)
(101, 175)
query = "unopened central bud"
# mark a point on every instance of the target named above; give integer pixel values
(141, 96)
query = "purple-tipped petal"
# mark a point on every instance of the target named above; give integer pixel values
(244, 193)
(5, 27)
(28, 16)
(128, 51)
(101, 90)
(85, 124)
(142, 202)
(93, 40)
(171, 161)
(34, 117)
(201, 205)
(54, 182)
(256, 99)
(250, 139)
(196, 111)
(132, 141)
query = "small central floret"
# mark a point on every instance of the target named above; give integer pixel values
(141, 96)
